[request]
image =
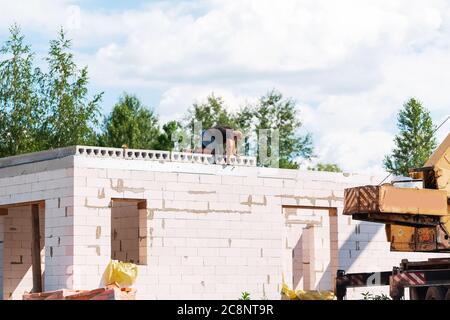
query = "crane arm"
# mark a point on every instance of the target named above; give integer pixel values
(416, 219)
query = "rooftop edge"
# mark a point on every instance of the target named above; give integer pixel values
(129, 154)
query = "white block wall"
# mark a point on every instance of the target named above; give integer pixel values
(212, 231)
(51, 182)
(1, 254)
(204, 240)
(216, 231)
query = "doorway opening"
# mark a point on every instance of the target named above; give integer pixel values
(310, 247)
(22, 249)
(129, 230)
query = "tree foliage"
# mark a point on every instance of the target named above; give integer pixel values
(272, 112)
(328, 167)
(43, 109)
(165, 140)
(415, 141)
(277, 113)
(211, 113)
(132, 124)
(20, 110)
(72, 117)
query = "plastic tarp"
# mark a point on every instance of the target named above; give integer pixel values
(122, 273)
(306, 294)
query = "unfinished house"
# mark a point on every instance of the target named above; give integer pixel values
(196, 230)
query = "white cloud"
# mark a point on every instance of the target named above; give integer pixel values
(35, 15)
(250, 37)
(350, 64)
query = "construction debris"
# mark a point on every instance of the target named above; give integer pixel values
(110, 292)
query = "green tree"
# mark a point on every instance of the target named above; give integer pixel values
(415, 141)
(43, 110)
(164, 140)
(271, 112)
(243, 118)
(277, 113)
(328, 167)
(132, 124)
(20, 111)
(211, 113)
(72, 116)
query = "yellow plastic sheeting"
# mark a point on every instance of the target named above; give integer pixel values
(122, 273)
(306, 295)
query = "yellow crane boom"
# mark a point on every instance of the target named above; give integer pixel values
(417, 219)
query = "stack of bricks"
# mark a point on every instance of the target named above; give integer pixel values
(110, 292)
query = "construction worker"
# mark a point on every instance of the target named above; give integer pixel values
(221, 140)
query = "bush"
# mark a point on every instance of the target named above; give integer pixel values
(245, 296)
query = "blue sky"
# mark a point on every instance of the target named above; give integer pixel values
(114, 5)
(350, 65)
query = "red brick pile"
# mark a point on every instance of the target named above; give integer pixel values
(110, 292)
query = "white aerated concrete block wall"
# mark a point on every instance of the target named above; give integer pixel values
(210, 231)
(213, 231)
(216, 231)
(50, 182)
(206, 237)
(1, 254)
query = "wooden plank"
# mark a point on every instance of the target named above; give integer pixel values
(41, 204)
(108, 293)
(56, 296)
(105, 295)
(85, 295)
(361, 199)
(141, 203)
(52, 295)
(332, 211)
(36, 249)
(3, 211)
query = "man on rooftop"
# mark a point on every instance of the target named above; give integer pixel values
(221, 140)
